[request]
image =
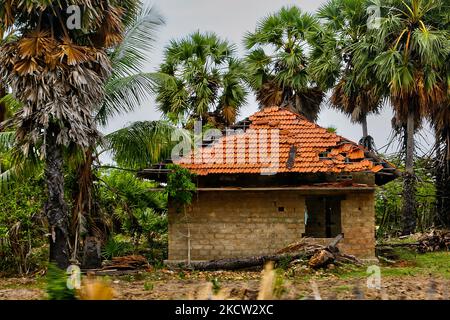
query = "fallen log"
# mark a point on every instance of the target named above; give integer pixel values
(302, 251)
(132, 262)
(396, 245)
(321, 258)
(327, 255)
(243, 263)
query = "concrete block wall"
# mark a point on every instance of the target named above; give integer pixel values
(358, 225)
(227, 224)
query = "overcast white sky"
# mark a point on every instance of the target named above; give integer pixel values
(230, 19)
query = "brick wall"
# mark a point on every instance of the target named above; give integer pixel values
(225, 224)
(358, 225)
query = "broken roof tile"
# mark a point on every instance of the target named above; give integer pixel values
(240, 152)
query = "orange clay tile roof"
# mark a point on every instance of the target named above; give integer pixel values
(304, 147)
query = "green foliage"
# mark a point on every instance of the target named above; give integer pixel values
(200, 74)
(128, 86)
(216, 286)
(277, 61)
(57, 284)
(332, 129)
(278, 286)
(148, 286)
(180, 185)
(181, 275)
(116, 247)
(388, 201)
(136, 211)
(284, 262)
(22, 227)
(135, 208)
(142, 143)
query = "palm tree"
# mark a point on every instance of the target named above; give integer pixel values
(353, 92)
(58, 74)
(440, 119)
(413, 50)
(125, 89)
(201, 79)
(278, 62)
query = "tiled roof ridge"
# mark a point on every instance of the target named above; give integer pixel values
(304, 147)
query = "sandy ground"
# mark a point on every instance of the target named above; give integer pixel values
(165, 284)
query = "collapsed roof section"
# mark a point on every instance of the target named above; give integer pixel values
(278, 141)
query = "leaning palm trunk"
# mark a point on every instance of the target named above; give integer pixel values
(409, 206)
(56, 208)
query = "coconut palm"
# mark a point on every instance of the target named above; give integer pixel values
(413, 50)
(201, 79)
(353, 92)
(278, 62)
(58, 74)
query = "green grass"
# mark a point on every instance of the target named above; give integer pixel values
(148, 286)
(435, 263)
(408, 263)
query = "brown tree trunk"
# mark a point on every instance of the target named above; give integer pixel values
(56, 208)
(409, 203)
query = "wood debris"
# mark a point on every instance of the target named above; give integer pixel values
(132, 262)
(434, 241)
(317, 255)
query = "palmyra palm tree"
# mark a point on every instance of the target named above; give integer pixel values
(201, 78)
(278, 63)
(133, 147)
(125, 89)
(58, 74)
(345, 23)
(413, 50)
(440, 120)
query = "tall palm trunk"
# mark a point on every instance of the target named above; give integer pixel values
(443, 181)
(409, 205)
(56, 207)
(364, 126)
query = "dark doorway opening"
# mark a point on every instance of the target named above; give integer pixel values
(323, 217)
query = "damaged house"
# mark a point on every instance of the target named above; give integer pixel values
(276, 179)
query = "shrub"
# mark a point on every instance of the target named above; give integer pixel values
(23, 245)
(116, 247)
(57, 284)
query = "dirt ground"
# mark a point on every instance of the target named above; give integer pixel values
(167, 284)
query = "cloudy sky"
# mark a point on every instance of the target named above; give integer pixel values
(230, 19)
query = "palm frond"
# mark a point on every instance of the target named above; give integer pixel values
(12, 105)
(142, 143)
(124, 94)
(132, 53)
(128, 86)
(6, 140)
